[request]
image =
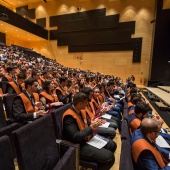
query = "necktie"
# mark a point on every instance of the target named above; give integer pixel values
(32, 100)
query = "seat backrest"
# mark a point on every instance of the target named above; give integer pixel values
(36, 146)
(126, 161)
(6, 159)
(2, 115)
(3, 85)
(7, 130)
(57, 119)
(125, 133)
(8, 100)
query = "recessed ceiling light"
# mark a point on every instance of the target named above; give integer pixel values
(16, 30)
(1, 24)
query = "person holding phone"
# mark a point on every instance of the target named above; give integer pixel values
(27, 106)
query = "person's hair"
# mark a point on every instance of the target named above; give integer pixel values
(149, 125)
(133, 90)
(79, 97)
(29, 82)
(62, 79)
(95, 88)
(136, 98)
(87, 90)
(34, 73)
(10, 68)
(142, 108)
(21, 76)
(46, 85)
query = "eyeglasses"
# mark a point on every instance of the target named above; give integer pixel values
(156, 132)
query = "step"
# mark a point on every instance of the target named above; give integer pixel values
(161, 106)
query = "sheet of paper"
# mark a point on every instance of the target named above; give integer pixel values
(122, 98)
(107, 116)
(160, 141)
(105, 125)
(98, 141)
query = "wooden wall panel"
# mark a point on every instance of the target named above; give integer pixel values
(58, 20)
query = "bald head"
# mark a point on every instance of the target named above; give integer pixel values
(149, 125)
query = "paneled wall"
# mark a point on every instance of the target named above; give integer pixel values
(118, 63)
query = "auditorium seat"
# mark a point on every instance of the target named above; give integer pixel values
(36, 147)
(8, 100)
(6, 159)
(126, 162)
(3, 86)
(125, 134)
(2, 115)
(57, 118)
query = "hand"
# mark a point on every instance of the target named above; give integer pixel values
(159, 119)
(57, 104)
(38, 105)
(103, 110)
(41, 113)
(95, 123)
(111, 99)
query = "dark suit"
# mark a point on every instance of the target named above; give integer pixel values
(62, 98)
(10, 89)
(19, 110)
(104, 157)
(146, 159)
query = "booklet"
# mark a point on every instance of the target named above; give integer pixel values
(98, 141)
(105, 125)
(160, 141)
(107, 116)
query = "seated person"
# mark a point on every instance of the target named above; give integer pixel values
(48, 96)
(62, 92)
(76, 131)
(10, 75)
(145, 152)
(27, 106)
(15, 87)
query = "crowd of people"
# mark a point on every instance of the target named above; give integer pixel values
(145, 128)
(42, 85)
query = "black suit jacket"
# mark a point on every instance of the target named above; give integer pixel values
(71, 130)
(19, 110)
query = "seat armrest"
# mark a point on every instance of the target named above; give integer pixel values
(68, 161)
(70, 144)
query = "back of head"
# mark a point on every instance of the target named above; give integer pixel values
(142, 108)
(63, 79)
(87, 90)
(29, 82)
(149, 125)
(79, 97)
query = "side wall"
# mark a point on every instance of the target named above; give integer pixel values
(117, 63)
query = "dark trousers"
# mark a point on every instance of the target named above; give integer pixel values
(104, 157)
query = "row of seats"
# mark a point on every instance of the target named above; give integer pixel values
(126, 161)
(36, 147)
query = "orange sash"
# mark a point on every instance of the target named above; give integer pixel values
(135, 124)
(49, 97)
(62, 91)
(15, 87)
(140, 145)
(79, 121)
(27, 103)
(9, 78)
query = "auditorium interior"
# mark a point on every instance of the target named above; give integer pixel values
(106, 38)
